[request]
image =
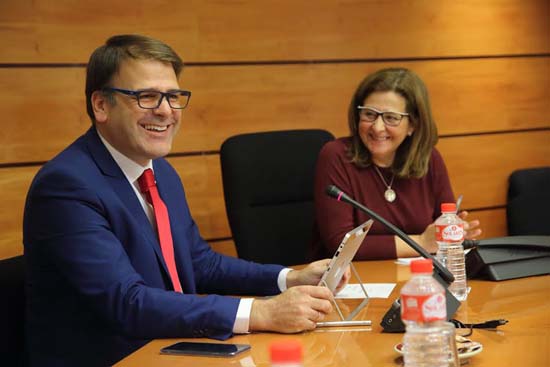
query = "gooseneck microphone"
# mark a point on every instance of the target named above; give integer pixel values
(339, 195)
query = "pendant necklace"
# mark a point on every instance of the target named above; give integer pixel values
(389, 194)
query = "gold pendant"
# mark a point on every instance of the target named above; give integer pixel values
(390, 195)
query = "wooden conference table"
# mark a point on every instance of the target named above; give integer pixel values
(524, 341)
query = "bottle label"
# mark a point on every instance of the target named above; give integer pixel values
(423, 308)
(449, 233)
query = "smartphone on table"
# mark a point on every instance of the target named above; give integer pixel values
(205, 349)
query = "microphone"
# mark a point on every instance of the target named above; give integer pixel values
(339, 195)
(391, 322)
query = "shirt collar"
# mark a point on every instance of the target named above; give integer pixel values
(131, 169)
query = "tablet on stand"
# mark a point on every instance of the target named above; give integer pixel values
(337, 267)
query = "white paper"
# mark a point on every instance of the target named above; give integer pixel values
(247, 362)
(374, 290)
(407, 260)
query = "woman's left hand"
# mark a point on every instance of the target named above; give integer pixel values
(471, 230)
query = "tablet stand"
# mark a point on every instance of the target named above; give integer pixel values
(348, 320)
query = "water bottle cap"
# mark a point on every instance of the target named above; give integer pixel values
(448, 207)
(285, 351)
(421, 266)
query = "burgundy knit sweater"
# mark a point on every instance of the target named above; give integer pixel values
(417, 204)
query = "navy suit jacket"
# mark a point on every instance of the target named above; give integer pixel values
(97, 285)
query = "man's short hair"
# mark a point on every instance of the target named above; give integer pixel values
(105, 61)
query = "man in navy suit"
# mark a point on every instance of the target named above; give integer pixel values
(98, 285)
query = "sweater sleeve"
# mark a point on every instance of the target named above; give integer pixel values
(333, 219)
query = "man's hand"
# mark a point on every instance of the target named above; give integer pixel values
(312, 274)
(296, 309)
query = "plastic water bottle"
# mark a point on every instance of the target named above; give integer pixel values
(449, 234)
(423, 310)
(286, 353)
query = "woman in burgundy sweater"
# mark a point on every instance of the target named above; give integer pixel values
(390, 165)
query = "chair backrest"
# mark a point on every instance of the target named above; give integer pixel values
(12, 311)
(528, 203)
(268, 189)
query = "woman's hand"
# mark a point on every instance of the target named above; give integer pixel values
(427, 239)
(471, 230)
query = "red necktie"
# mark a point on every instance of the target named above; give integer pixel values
(148, 186)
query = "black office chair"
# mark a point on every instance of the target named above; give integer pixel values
(12, 311)
(268, 189)
(529, 202)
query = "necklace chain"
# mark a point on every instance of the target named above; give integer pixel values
(389, 194)
(383, 179)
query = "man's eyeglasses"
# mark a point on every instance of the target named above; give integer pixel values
(390, 118)
(151, 99)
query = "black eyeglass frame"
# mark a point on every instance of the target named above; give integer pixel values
(164, 95)
(383, 114)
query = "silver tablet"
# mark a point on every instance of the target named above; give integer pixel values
(344, 255)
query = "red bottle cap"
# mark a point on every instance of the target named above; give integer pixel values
(448, 207)
(421, 266)
(286, 351)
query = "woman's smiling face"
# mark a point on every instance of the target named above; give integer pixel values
(382, 141)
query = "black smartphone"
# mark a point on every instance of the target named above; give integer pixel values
(205, 349)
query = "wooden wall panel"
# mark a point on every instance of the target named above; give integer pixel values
(468, 96)
(212, 30)
(201, 176)
(47, 105)
(47, 110)
(493, 222)
(15, 183)
(273, 65)
(224, 247)
(479, 167)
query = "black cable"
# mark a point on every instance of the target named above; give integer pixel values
(491, 324)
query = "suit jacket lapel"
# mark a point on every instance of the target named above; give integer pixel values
(125, 192)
